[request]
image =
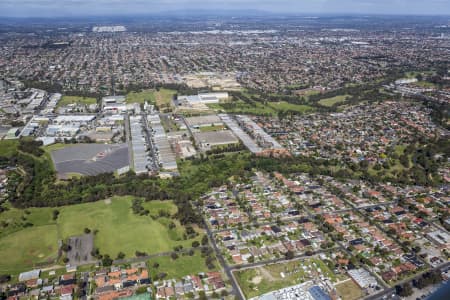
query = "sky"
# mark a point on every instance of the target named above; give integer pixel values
(75, 8)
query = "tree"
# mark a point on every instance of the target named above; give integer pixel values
(202, 295)
(95, 252)
(55, 214)
(205, 240)
(65, 247)
(140, 254)
(289, 254)
(174, 256)
(107, 261)
(120, 255)
(5, 278)
(404, 290)
(195, 244)
(87, 230)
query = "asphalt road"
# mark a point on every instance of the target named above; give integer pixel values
(227, 269)
(128, 137)
(149, 139)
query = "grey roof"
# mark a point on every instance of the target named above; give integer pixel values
(33, 274)
(244, 137)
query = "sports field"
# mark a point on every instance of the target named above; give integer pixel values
(118, 230)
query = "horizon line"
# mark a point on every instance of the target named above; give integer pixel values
(223, 13)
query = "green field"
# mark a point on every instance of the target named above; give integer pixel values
(65, 100)
(331, 101)
(141, 97)
(425, 84)
(26, 246)
(240, 107)
(24, 249)
(349, 290)
(261, 280)
(413, 74)
(119, 230)
(283, 105)
(8, 147)
(184, 265)
(211, 128)
(259, 108)
(163, 97)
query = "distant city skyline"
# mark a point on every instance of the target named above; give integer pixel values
(76, 8)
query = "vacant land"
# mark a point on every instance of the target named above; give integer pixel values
(240, 107)
(164, 97)
(66, 100)
(265, 279)
(8, 147)
(117, 228)
(349, 290)
(425, 84)
(184, 265)
(260, 108)
(27, 237)
(211, 128)
(161, 98)
(141, 97)
(332, 101)
(27, 248)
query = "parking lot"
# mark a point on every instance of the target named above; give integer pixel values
(90, 159)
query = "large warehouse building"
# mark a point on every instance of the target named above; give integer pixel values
(202, 98)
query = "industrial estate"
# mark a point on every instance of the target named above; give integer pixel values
(302, 158)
